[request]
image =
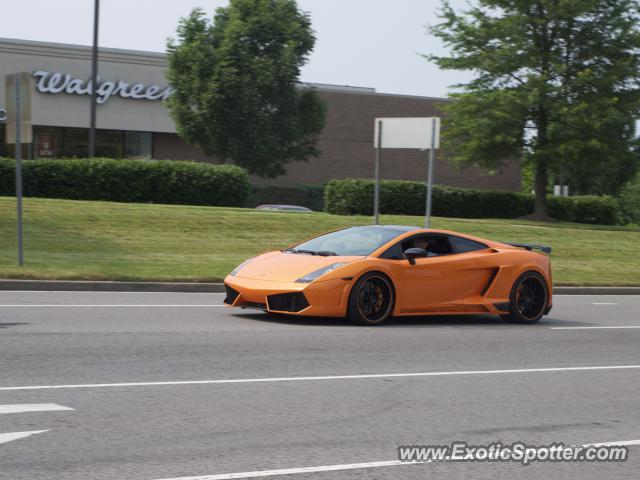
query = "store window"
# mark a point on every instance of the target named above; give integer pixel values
(137, 145)
(63, 142)
(74, 142)
(3, 145)
(46, 142)
(59, 142)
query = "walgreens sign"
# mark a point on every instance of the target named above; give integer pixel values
(57, 82)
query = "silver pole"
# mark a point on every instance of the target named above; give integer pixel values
(19, 170)
(94, 81)
(376, 191)
(432, 155)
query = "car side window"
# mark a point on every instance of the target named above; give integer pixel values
(439, 245)
(436, 245)
(394, 253)
(464, 245)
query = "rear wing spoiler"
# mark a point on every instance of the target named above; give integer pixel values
(531, 246)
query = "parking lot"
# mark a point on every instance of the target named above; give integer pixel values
(168, 385)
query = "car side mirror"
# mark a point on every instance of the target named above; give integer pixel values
(413, 253)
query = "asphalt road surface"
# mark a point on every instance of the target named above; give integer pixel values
(162, 386)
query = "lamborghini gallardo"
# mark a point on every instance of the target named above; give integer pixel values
(369, 274)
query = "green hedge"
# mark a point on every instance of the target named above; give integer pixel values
(599, 210)
(157, 181)
(310, 196)
(630, 200)
(355, 197)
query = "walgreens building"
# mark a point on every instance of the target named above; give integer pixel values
(133, 121)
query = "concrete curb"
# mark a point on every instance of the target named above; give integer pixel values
(104, 286)
(596, 290)
(186, 287)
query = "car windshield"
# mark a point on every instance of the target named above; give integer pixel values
(350, 241)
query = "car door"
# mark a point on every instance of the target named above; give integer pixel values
(448, 279)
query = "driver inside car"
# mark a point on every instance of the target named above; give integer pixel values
(423, 243)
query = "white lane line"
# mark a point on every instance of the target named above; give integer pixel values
(604, 303)
(107, 305)
(292, 471)
(611, 327)
(347, 466)
(328, 377)
(9, 437)
(32, 407)
(618, 443)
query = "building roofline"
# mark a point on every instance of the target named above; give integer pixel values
(64, 50)
(107, 54)
(382, 94)
(75, 46)
(334, 88)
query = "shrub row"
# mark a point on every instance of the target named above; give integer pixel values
(630, 200)
(599, 210)
(310, 196)
(157, 181)
(191, 183)
(355, 197)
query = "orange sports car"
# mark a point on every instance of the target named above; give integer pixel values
(368, 274)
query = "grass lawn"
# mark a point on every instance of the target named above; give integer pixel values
(67, 239)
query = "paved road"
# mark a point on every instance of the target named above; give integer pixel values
(152, 430)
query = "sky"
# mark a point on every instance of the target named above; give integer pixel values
(366, 43)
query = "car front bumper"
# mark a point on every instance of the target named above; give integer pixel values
(321, 299)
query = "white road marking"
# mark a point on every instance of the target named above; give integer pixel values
(328, 377)
(107, 305)
(292, 471)
(345, 466)
(596, 328)
(617, 443)
(9, 437)
(603, 303)
(32, 407)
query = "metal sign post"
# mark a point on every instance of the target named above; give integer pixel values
(19, 131)
(94, 80)
(376, 188)
(19, 175)
(432, 156)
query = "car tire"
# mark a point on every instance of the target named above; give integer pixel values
(371, 299)
(528, 299)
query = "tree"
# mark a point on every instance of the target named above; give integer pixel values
(556, 84)
(605, 175)
(236, 85)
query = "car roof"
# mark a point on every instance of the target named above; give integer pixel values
(451, 232)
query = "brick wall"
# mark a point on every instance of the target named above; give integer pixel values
(347, 147)
(168, 146)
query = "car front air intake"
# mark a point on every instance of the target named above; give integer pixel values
(287, 302)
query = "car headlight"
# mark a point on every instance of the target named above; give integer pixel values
(318, 273)
(235, 271)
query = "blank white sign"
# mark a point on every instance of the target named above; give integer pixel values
(412, 132)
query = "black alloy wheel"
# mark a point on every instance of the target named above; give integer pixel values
(528, 300)
(371, 299)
